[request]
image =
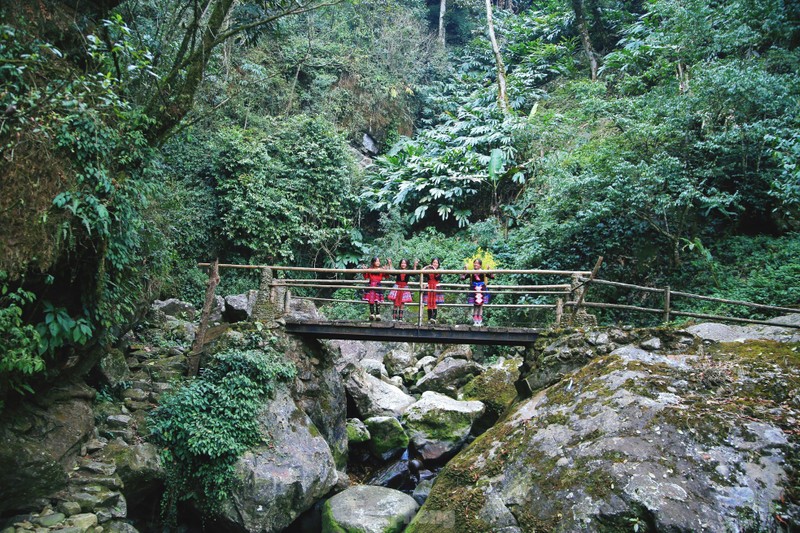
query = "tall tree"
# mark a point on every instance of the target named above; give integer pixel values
(583, 30)
(204, 26)
(442, 11)
(502, 96)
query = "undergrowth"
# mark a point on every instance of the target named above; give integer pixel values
(206, 425)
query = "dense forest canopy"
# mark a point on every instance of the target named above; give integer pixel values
(139, 137)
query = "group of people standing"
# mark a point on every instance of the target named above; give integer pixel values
(400, 295)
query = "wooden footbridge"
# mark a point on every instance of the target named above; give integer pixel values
(560, 299)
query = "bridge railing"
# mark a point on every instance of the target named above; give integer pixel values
(559, 298)
(505, 292)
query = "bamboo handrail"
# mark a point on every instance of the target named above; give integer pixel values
(410, 288)
(307, 281)
(415, 304)
(396, 271)
(602, 305)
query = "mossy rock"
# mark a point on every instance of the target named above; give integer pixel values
(368, 509)
(357, 432)
(387, 437)
(673, 442)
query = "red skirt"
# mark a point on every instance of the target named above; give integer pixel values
(399, 295)
(372, 295)
(432, 297)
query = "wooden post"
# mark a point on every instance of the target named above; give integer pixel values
(197, 345)
(583, 289)
(667, 297)
(265, 309)
(559, 310)
(421, 297)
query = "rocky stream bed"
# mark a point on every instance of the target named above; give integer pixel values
(604, 429)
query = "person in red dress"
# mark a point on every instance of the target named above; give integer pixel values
(373, 295)
(399, 295)
(432, 298)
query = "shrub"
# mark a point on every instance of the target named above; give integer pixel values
(206, 425)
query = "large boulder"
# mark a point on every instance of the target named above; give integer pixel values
(668, 442)
(373, 397)
(399, 359)
(711, 331)
(40, 441)
(439, 425)
(277, 482)
(495, 388)
(449, 375)
(319, 391)
(139, 468)
(368, 509)
(239, 307)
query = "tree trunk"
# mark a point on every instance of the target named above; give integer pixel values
(583, 29)
(502, 97)
(442, 11)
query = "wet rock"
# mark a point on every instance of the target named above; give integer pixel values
(394, 475)
(422, 490)
(387, 437)
(447, 376)
(276, 483)
(368, 509)
(372, 396)
(439, 425)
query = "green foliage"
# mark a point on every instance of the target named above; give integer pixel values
(286, 195)
(206, 425)
(19, 342)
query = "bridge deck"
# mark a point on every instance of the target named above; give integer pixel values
(404, 332)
